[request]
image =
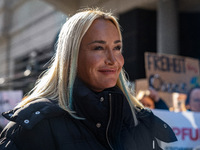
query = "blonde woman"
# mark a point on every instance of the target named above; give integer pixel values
(82, 102)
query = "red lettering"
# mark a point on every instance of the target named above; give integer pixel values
(191, 68)
(185, 133)
(177, 131)
(195, 136)
(190, 133)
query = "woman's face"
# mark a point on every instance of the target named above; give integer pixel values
(148, 102)
(195, 100)
(100, 60)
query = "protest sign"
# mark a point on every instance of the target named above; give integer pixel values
(175, 101)
(170, 73)
(186, 126)
(141, 87)
(8, 100)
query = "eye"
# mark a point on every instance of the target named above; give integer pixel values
(117, 47)
(98, 48)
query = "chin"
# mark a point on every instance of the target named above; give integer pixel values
(105, 84)
(110, 85)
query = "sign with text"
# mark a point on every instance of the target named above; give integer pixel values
(186, 126)
(170, 73)
(8, 100)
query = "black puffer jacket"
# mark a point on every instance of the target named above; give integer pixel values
(108, 124)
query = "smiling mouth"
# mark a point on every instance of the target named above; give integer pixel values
(108, 71)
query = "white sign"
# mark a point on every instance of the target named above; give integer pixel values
(186, 126)
(8, 100)
(170, 73)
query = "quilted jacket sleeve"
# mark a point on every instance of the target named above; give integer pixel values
(29, 127)
(159, 129)
(16, 137)
(6, 141)
(7, 144)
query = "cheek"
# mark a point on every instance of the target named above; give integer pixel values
(89, 62)
(192, 103)
(93, 59)
(121, 60)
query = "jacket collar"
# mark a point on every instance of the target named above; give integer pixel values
(96, 110)
(92, 105)
(32, 113)
(82, 90)
(88, 103)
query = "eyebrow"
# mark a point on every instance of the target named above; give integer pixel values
(104, 42)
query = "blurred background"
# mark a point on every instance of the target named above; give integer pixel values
(161, 47)
(29, 29)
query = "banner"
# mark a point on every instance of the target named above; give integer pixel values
(8, 100)
(170, 73)
(186, 126)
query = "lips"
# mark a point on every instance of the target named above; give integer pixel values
(108, 70)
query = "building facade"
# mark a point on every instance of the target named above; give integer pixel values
(29, 29)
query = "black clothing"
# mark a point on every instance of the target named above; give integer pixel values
(1, 129)
(161, 105)
(106, 122)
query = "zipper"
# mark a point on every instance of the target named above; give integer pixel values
(153, 144)
(109, 120)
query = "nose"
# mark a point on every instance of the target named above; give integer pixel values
(110, 58)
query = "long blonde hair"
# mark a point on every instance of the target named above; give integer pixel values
(57, 82)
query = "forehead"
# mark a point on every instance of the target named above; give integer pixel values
(102, 21)
(100, 25)
(195, 93)
(101, 30)
(147, 98)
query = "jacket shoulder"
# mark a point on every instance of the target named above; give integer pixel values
(15, 137)
(27, 122)
(157, 127)
(32, 113)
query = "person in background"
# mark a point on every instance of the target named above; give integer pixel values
(83, 102)
(158, 102)
(147, 101)
(192, 102)
(152, 100)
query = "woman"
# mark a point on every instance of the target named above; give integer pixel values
(147, 101)
(192, 102)
(158, 102)
(82, 101)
